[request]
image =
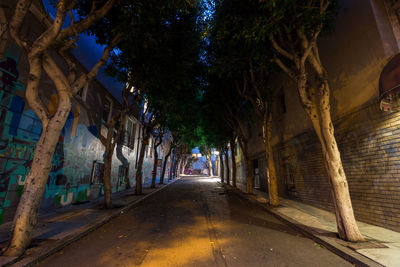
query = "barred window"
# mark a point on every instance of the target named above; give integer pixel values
(127, 137)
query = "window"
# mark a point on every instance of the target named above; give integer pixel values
(133, 136)
(129, 134)
(97, 173)
(83, 92)
(107, 108)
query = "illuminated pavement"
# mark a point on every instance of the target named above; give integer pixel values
(193, 222)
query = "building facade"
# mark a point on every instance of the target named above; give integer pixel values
(78, 163)
(365, 39)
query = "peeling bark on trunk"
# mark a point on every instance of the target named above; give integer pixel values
(320, 116)
(26, 214)
(319, 113)
(139, 178)
(222, 167)
(347, 225)
(271, 172)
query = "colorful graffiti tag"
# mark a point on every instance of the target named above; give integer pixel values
(78, 149)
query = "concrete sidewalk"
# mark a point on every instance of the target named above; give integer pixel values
(61, 227)
(382, 246)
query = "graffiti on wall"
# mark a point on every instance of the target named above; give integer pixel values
(16, 145)
(71, 176)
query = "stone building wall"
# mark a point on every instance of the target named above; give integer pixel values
(76, 174)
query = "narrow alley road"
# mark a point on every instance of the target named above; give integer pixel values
(194, 222)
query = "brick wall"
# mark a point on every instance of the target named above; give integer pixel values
(369, 141)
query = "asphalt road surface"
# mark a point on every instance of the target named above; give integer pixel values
(194, 222)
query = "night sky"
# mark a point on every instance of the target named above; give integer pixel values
(88, 53)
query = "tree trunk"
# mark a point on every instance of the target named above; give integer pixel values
(346, 222)
(222, 167)
(321, 119)
(209, 165)
(217, 171)
(154, 173)
(319, 113)
(233, 162)
(139, 178)
(28, 207)
(271, 172)
(175, 167)
(165, 165)
(249, 166)
(183, 166)
(178, 166)
(227, 166)
(174, 164)
(107, 181)
(249, 175)
(109, 151)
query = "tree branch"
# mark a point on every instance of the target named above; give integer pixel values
(84, 24)
(47, 37)
(71, 66)
(22, 8)
(238, 122)
(258, 104)
(286, 69)
(85, 78)
(60, 81)
(55, 73)
(103, 140)
(119, 131)
(69, 43)
(3, 32)
(306, 44)
(280, 50)
(229, 120)
(31, 92)
(324, 4)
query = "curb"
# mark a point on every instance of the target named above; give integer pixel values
(90, 228)
(342, 251)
